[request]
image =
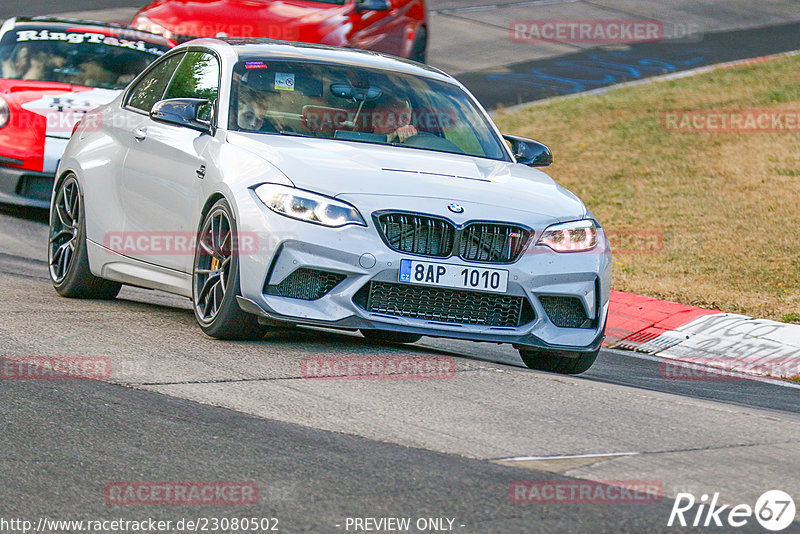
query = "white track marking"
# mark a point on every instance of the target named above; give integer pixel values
(567, 456)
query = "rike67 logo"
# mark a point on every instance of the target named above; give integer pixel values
(774, 510)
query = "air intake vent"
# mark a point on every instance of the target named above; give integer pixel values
(306, 284)
(566, 312)
(436, 237)
(492, 242)
(35, 186)
(444, 305)
(417, 234)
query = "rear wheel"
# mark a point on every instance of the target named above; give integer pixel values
(67, 256)
(420, 45)
(215, 279)
(383, 336)
(558, 361)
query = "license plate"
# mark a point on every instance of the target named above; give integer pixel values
(429, 273)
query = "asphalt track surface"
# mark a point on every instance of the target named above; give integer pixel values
(596, 68)
(326, 451)
(79, 436)
(180, 406)
(33, 8)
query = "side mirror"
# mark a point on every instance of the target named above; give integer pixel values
(373, 5)
(529, 152)
(194, 113)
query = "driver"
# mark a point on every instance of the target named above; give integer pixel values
(392, 117)
(18, 63)
(253, 108)
(27, 64)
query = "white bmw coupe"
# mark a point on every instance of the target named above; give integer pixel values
(279, 183)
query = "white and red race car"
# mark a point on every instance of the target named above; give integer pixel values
(54, 71)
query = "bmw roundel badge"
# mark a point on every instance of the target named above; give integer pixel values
(456, 208)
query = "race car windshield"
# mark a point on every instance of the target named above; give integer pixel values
(356, 104)
(88, 57)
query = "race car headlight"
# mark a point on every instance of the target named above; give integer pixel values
(307, 206)
(5, 112)
(145, 24)
(576, 236)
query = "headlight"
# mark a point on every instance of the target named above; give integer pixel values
(5, 112)
(145, 24)
(308, 206)
(577, 236)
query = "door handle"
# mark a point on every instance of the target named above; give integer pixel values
(140, 133)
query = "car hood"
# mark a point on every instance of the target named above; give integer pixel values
(292, 20)
(52, 108)
(346, 169)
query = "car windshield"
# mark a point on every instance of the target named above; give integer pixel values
(359, 104)
(107, 58)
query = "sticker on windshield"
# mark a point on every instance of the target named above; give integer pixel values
(85, 37)
(284, 82)
(254, 65)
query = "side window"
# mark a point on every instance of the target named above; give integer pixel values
(197, 77)
(149, 89)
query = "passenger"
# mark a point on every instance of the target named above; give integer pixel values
(38, 66)
(94, 74)
(392, 117)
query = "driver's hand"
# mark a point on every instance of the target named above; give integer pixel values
(404, 132)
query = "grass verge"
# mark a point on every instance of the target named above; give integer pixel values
(725, 206)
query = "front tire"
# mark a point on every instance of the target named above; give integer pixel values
(382, 336)
(215, 279)
(558, 361)
(67, 256)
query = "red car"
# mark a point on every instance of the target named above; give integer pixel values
(52, 72)
(397, 27)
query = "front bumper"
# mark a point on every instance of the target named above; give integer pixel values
(361, 256)
(360, 323)
(27, 188)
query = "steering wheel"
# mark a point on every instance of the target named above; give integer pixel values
(432, 142)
